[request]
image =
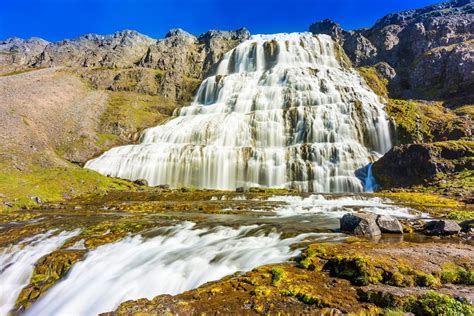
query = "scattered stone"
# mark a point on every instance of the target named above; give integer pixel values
(240, 190)
(37, 199)
(163, 187)
(141, 182)
(360, 224)
(184, 189)
(389, 224)
(467, 225)
(442, 228)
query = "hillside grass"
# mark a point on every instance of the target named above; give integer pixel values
(52, 184)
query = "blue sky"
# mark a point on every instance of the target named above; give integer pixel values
(58, 19)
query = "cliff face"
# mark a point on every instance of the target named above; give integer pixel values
(431, 49)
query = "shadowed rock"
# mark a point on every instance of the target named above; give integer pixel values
(360, 224)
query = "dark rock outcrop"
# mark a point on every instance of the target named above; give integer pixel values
(430, 49)
(360, 224)
(418, 163)
(442, 228)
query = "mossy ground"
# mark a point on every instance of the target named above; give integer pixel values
(324, 286)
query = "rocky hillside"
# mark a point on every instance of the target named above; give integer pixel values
(171, 67)
(428, 51)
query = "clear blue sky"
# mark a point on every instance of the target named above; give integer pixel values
(58, 19)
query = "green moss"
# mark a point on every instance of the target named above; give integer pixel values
(374, 80)
(425, 279)
(461, 215)
(128, 113)
(359, 269)
(418, 122)
(303, 295)
(436, 304)
(261, 291)
(453, 273)
(277, 275)
(421, 199)
(393, 312)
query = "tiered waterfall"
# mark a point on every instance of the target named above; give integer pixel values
(282, 110)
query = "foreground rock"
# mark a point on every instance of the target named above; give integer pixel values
(360, 224)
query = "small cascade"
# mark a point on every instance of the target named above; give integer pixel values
(281, 111)
(17, 263)
(370, 185)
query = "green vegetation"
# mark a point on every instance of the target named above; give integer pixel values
(52, 184)
(128, 113)
(453, 273)
(374, 80)
(17, 72)
(420, 122)
(277, 275)
(437, 304)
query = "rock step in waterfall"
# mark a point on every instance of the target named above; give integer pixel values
(282, 110)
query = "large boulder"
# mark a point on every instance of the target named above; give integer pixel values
(442, 228)
(389, 224)
(363, 224)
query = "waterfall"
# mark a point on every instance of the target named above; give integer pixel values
(281, 111)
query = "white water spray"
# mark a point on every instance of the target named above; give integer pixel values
(282, 111)
(17, 263)
(183, 258)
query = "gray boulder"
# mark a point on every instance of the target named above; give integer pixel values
(442, 228)
(363, 224)
(389, 224)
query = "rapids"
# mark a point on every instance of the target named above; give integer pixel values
(281, 110)
(17, 264)
(180, 258)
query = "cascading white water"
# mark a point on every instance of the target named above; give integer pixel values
(183, 258)
(281, 111)
(17, 263)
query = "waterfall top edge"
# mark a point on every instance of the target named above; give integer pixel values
(285, 36)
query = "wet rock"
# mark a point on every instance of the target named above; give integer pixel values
(141, 182)
(467, 225)
(442, 228)
(163, 187)
(389, 224)
(240, 189)
(360, 224)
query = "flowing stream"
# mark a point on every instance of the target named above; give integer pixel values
(281, 111)
(174, 258)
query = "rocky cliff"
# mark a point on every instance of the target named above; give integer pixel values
(429, 50)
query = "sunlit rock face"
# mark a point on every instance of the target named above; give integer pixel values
(281, 111)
